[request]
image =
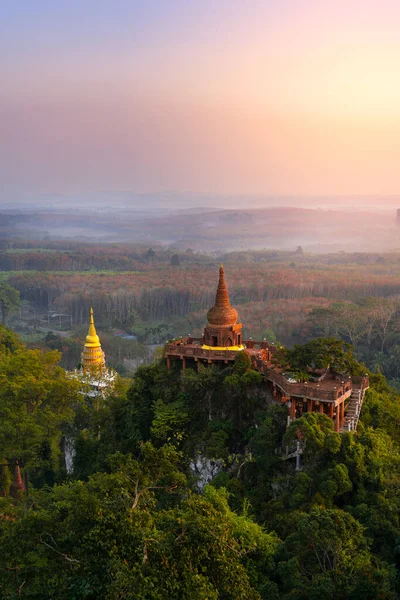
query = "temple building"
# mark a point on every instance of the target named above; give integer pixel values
(93, 371)
(222, 337)
(338, 396)
(96, 380)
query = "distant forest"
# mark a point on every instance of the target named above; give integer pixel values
(155, 293)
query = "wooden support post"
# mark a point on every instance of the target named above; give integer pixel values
(321, 407)
(198, 365)
(337, 420)
(298, 456)
(183, 363)
(293, 408)
(310, 405)
(168, 362)
(342, 414)
(331, 410)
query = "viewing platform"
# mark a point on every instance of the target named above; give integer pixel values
(337, 396)
(195, 348)
(331, 394)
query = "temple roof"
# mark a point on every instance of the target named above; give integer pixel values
(222, 313)
(17, 485)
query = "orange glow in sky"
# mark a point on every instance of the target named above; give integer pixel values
(275, 97)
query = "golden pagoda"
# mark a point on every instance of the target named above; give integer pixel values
(92, 357)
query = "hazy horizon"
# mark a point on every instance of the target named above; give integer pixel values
(168, 201)
(266, 98)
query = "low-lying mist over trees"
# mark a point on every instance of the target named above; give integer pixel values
(328, 227)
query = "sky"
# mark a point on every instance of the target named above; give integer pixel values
(273, 97)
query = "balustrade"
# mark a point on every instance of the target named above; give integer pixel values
(192, 348)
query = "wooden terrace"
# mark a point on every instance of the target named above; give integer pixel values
(332, 394)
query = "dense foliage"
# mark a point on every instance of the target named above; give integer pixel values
(318, 355)
(180, 489)
(9, 300)
(36, 399)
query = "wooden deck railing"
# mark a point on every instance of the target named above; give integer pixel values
(193, 351)
(190, 347)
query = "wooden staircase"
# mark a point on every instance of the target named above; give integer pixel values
(353, 411)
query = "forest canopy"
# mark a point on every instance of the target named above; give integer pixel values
(181, 488)
(184, 484)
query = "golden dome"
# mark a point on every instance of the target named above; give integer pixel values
(222, 313)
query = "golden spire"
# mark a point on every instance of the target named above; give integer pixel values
(92, 339)
(92, 355)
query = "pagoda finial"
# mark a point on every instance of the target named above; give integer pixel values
(92, 334)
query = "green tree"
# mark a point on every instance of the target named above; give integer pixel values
(134, 533)
(320, 353)
(317, 436)
(9, 301)
(36, 399)
(241, 388)
(9, 342)
(135, 413)
(328, 557)
(203, 389)
(5, 477)
(169, 421)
